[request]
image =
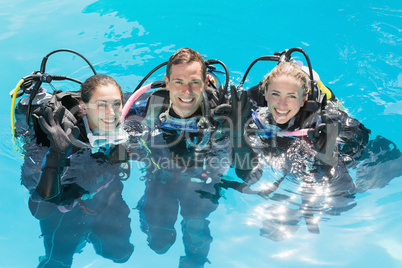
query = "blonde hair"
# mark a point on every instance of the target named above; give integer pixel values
(288, 69)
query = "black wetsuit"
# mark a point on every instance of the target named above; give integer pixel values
(181, 178)
(89, 208)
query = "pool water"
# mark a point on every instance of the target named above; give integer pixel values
(355, 46)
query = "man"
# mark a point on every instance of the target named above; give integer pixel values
(185, 160)
(188, 150)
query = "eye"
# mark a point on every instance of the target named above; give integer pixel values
(101, 105)
(293, 97)
(177, 82)
(275, 94)
(117, 104)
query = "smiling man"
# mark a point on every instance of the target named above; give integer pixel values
(186, 163)
(186, 79)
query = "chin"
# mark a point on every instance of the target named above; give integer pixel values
(108, 128)
(282, 121)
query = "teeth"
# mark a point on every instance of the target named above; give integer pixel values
(281, 112)
(186, 100)
(108, 121)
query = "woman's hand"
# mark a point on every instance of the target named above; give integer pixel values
(60, 130)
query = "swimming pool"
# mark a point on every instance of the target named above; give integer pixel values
(354, 46)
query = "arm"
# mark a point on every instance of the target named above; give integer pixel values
(324, 137)
(353, 138)
(61, 137)
(339, 135)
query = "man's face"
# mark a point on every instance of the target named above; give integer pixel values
(185, 86)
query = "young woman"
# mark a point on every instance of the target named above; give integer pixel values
(308, 147)
(78, 198)
(290, 112)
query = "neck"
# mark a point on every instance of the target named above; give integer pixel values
(197, 112)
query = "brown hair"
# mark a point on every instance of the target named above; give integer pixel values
(88, 87)
(186, 55)
(289, 69)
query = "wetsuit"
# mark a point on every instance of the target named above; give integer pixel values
(181, 178)
(89, 207)
(323, 188)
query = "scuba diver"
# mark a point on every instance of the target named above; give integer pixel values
(308, 139)
(339, 141)
(186, 158)
(301, 130)
(76, 193)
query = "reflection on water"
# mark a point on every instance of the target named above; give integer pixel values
(182, 180)
(297, 201)
(89, 209)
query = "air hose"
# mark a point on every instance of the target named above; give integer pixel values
(13, 105)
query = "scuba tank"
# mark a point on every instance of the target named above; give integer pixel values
(316, 99)
(24, 115)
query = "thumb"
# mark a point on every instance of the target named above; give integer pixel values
(73, 133)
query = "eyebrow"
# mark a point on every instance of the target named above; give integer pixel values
(191, 80)
(105, 101)
(291, 93)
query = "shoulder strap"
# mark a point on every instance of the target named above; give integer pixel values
(256, 95)
(157, 103)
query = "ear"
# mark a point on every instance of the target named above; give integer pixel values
(83, 107)
(167, 82)
(265, 92)
(303, 101)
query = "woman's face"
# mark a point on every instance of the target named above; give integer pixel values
(284, 97)
(104, 108)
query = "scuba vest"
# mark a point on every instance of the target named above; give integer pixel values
(159, 103)
(185, 141)
(198, 127)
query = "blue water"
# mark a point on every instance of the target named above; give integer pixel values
(355, 46)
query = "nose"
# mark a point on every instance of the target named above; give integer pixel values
(110, 110)
(282, 102)
(187, 88)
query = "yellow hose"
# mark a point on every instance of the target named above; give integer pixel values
(13, 105)
(324, 89)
